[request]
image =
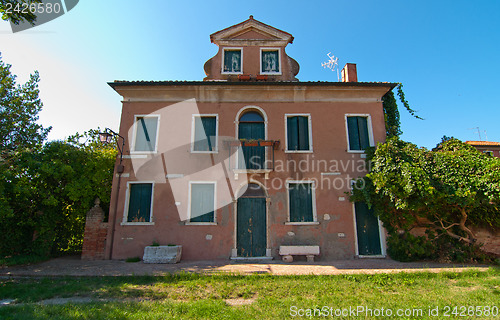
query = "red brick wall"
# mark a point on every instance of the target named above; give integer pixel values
(94, 239)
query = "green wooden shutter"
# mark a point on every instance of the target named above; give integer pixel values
(145, 138)
(253, 157)
(210, 125)
(300, 197)
(202, 202)
(303, 133)
(205, 133)
(139, 209)
(364, 140)
(292, 133)
(353, 132)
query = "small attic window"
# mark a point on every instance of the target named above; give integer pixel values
(270, 62)
(232, 61)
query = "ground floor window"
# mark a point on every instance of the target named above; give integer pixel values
(202, 205)
(301, 202)
(140, 199)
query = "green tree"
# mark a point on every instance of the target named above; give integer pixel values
(19, 134)
(51, 193)
(19, 109)
(446, 191)
(12, 10)
(45, 189)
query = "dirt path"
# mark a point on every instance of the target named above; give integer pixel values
(73, 266)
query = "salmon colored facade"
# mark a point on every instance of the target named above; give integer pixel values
(315, 131)
(489, 147)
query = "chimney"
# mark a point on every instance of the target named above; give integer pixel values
(349, 73)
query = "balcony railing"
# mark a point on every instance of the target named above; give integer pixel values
(252, 155)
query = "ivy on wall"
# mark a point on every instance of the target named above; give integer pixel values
(391, 112)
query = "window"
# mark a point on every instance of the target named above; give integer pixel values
(204, 133)
(270, 62)
(139, 203)
(232, 61)
(301, 201)
(358, 133)
(488, 153)
(202, 203)
(146, 131)
(298, 133)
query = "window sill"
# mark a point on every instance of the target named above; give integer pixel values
(312, 223)
(137, 223)
(229, 73)
(205, 152)
(132, 153)
(299, 151)
(200, 223)
(355, 151)
(252, 170)
(271, 73)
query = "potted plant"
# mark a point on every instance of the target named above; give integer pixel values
(244, 77)
(262, 77)
(157, 253)
(266, 143)
(276, 145)
(251, 143)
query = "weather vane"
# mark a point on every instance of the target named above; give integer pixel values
(332, 64)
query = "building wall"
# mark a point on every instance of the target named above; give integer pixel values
(335, 232)
(494, 149)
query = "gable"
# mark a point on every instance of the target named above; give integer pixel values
(252, 34)
(249, 30)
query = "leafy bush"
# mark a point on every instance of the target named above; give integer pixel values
(407, 247)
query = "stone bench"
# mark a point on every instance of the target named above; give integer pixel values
(162, 254)
(287, 252)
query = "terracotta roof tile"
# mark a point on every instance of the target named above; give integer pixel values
(483, 143)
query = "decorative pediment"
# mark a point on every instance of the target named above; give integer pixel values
(251, 30)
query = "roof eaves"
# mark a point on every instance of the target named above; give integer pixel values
(121, 83)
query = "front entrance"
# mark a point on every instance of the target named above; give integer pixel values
(368, 231)
(251, 238)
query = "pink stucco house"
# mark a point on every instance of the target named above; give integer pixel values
(248, 160)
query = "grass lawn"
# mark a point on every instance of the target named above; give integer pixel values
(193, 296)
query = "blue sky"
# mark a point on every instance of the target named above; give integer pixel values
(444, 52)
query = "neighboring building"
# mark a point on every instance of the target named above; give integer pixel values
(488, 147)
(290, 189)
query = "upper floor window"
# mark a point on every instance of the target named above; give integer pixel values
(358, 131)
(232, 60)
(146, 132)
(270, 62)
(298, 132)
(204, 133)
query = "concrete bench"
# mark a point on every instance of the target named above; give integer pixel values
(162, 254)
(287, 252)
